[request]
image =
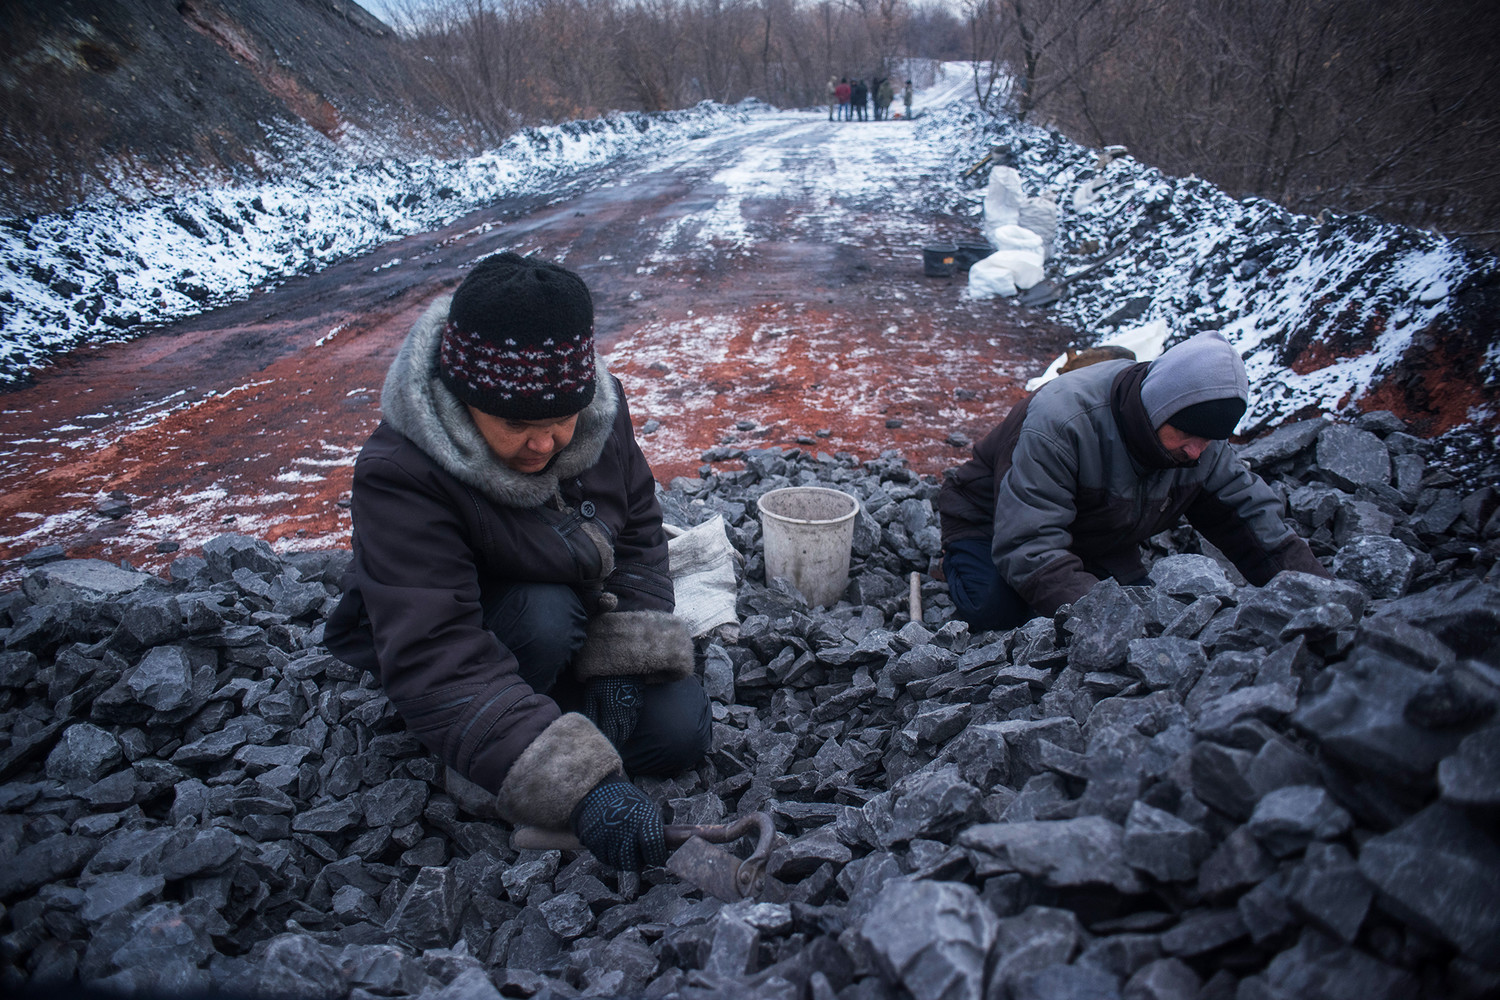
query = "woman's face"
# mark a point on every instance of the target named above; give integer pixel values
(525, 445)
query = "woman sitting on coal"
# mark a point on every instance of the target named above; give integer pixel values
(509, 585)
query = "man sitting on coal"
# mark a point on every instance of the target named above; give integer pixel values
(509, 585)
(1064, 491)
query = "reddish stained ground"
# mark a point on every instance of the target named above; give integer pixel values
(1437, 389)
(247, 419)
(1315, 358)
(794, 373)
(244, 449)
(1337, 344)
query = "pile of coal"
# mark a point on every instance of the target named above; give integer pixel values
(1195, 789)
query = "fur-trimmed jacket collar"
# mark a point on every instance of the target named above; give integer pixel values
(415, 402)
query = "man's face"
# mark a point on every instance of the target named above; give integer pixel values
(1183, 447)
(525, 445)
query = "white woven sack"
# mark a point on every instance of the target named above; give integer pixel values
(988, 280)
(1039, 215)
(702, 568)
(1017, 238)
(1005, 272)
(1002, 199)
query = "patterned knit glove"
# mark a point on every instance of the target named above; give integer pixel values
(613, 704)
(621, 826)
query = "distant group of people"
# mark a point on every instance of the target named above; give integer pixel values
(849, 100)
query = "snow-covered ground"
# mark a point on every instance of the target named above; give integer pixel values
(1321, 309)
(110, 271)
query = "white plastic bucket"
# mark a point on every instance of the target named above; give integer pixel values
(808, 533)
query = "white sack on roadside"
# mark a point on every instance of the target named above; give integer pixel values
(1004, 273)
(1020, 229)
(702, 568)
(1039, 215)
(1023, 269)
(1002, 200)
(1006, 206)
(989, 282)
(1007, 272)
(1017, 238)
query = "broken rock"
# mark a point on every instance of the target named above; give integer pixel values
(1384, 566)
(1088, 850)
(1441, 872)
(1165, 847)
(1288, 819)
(1352, 458)
(933, 938)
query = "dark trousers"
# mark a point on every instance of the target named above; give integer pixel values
(545, 624)
(980, 594)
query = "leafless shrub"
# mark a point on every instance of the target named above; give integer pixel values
(543, 60)
(1390, 108)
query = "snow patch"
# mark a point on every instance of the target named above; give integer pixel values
(1146, 342)
(111, 270)
(1343, 293)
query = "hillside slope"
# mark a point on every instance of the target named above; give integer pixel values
(131, 96)
(1331, 313)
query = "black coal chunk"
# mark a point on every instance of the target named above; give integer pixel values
(1188, 788)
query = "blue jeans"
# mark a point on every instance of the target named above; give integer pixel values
(981, 596)
(545, 624)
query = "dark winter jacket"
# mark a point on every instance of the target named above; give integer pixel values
(439, 522)
(1074, 479)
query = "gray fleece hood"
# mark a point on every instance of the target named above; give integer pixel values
(416, 403)
(1199, 369)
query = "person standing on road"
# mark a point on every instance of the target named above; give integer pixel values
(860, 97)
(906, 96)
(843, 92)
(833, 96)
(883, 97)
(509, 585)
(1064, 490)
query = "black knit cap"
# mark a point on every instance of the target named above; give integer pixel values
(1214, 419)
(519, 342)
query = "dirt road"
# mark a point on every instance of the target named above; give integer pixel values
(755, 288)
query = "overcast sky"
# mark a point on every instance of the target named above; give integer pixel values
(380, 8)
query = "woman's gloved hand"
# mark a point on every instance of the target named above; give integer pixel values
(613, 704)
(621, 826)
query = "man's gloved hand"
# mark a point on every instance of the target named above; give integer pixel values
(621, 826)
(612, 704)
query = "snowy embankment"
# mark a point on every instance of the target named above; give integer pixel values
(1323, 310)
(108, 271)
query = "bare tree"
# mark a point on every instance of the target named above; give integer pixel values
(1392, 107)
(934, 31)
(1042, 45)
(648, 44)
(886, 20)
(987, 33)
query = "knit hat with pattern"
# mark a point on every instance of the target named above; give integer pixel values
(519, 341)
